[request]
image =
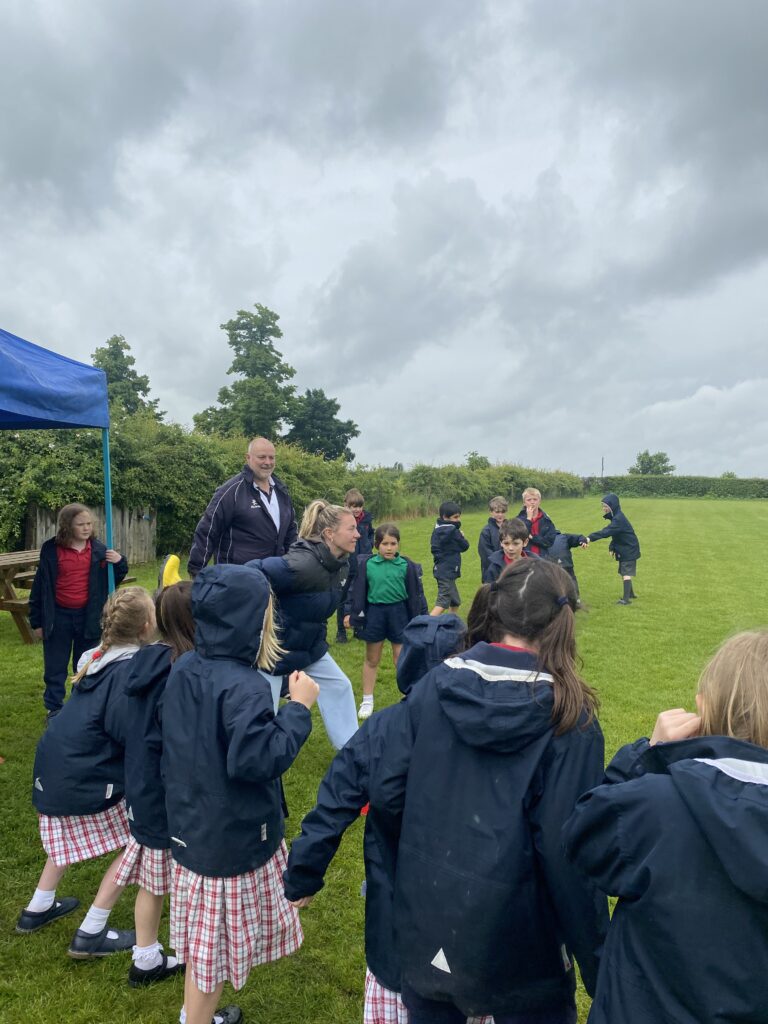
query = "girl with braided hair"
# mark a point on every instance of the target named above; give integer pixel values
(78, 786)
(470, 780)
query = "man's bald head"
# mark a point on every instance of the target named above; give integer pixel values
(261, 459)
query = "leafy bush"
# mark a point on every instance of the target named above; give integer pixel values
(636, 486)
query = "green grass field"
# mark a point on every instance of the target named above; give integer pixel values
(701, 578)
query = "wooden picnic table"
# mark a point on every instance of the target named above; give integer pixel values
(13, 564)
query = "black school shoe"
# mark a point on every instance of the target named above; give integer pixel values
(228, 1015)
(341, 637)
(137, 977)
(30, 920)
(88, 947)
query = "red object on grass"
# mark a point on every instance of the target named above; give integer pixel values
(364, 809)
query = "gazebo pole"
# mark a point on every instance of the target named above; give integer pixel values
(108, 504)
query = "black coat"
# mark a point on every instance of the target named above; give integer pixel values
(308, 582)
(447, 544)
(545, 538)
(488, 542)
(79, 758)
(136, 725)
(42, 597)
(356, 776)
(679, 835)
(357, 601)
(624, 543)
(236, 527)
(224, 749)
(560, 551)
(497, 565)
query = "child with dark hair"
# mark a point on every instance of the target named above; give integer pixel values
(624, 546)
(386, 593)
(471, 777)
(447, 544)
(489, 535)
(67, 597)
(513, 536)
(355, 502)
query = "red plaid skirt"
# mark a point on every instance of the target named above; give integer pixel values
(68, 840)
(383, 1006)
(222, 927)
(144, 866)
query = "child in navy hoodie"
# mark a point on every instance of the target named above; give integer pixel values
(447, 544)
(471, 777)
(489, 535)
(624, 546)
(677, 832)
(78, 786)
(355, 502)
(513, 536)
(224, 751)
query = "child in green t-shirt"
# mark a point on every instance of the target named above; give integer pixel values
(386, 594)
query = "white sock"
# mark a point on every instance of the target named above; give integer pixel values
(367, 698)
(217, 1018)
(42, 900)
(95, 920)
(183, 1015)
(148, 957)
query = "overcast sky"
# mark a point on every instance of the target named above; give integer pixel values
(538, 230)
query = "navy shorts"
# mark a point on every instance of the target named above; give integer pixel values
(627, 567)
(385, 622)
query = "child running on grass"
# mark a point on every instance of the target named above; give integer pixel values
(678, 834)
(224, 750)
(447, 544)
(78, 780)
(471, 778)
(624, 546)
(387, 592)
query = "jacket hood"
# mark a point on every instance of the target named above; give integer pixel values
(612, 501)
(427, 641)
(496, 698)
(149, 667)
(724, 784)
(228, 606)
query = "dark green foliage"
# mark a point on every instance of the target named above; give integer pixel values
(317, 429)
(637, 486)
(477, 461)
(127, 389)
(656, 464)
(259, 402)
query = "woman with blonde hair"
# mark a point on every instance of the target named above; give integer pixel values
(308, 582)
(678, 833)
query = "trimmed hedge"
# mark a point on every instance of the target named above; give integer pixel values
(635, 485)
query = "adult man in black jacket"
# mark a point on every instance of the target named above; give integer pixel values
(250, 516)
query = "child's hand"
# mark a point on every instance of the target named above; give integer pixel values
(303, 902)
(346, 622)
(303, 688)
(584, 543)
(676, 724)
(113, 556)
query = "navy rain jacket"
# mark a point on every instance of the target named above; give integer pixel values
(680, 837)
(308, 584)
(79, 758)
(545, 538)
(624, 543)
(447, 544)
(497, 565)
(471, 761)
(357, 601)
(488, 542)
(42, 597)
(560, 551)
(236, 527)
(224, 749)
(427, 641)
(136, 724)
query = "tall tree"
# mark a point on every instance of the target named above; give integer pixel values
(260, 400)
(316, 427)
(656, 464)
(126, 388)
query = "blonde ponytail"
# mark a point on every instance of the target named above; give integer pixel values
(320, 515)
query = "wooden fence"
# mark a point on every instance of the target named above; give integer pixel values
(133, 531)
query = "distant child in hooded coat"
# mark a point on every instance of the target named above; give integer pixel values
(624, 546)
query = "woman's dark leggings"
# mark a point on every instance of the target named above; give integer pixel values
(431, 1011)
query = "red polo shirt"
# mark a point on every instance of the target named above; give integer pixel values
(72, 577)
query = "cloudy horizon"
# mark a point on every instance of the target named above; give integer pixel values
(535, 230)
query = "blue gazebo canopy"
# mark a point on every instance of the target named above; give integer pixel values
(41, 389)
